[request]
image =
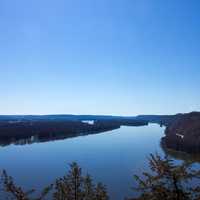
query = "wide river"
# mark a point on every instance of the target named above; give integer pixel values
(111, 157)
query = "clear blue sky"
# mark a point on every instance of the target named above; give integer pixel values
(120, 57)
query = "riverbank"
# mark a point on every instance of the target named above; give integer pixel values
(184, 134)
(26, 132)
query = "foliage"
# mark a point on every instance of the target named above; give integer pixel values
(167, 181)
(73, 186)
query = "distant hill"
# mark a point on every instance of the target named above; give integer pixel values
(159, 119)
(184, 133)
(63, 117)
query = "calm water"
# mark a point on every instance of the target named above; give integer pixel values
(111, 157)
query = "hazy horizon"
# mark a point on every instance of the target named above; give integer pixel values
(133, 115)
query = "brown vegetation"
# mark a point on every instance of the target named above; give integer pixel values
(184, 134)
(166, 181)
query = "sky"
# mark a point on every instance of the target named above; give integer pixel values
(112, 57)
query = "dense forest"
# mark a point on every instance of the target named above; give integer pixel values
(184, 134)
(30, 131)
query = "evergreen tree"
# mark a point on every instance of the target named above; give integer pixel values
(88, 188)
(167, 181)
(73, 186)
(17, 193)
(100, 192)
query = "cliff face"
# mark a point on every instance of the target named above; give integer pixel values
(184, 133)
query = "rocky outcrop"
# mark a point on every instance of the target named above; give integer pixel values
(184, 133)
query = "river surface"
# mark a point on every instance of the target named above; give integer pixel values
(111, 157)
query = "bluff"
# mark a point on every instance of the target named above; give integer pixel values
(183, 134)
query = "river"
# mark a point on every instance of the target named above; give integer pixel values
(111, 157)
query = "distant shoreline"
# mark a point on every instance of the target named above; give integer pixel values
(28, 132)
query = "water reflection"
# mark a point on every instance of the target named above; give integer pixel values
(42, 138)
(189, 158)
